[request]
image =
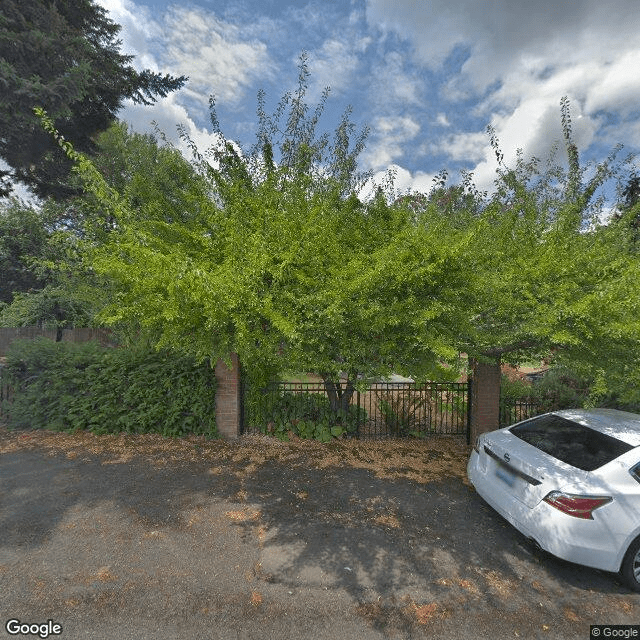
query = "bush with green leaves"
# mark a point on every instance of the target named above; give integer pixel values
(516, 401)
(561, 388)
(405, 414)
(624, 399)
(64, 386)
(306, 415)
(514, 389)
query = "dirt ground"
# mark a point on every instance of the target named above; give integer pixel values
(148, 537)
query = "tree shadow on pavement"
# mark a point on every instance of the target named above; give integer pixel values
(408, 554)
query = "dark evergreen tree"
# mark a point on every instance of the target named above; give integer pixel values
(628, 211)
(631, 192)
(23, 233)
(62, 55)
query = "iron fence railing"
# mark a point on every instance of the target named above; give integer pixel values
(6, 395)
(381, 410)
(512, 411)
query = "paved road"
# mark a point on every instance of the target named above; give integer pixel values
(132, 550)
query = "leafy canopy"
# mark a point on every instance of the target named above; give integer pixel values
(271, 254)
(547, 279)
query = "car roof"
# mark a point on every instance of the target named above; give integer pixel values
(622, 425)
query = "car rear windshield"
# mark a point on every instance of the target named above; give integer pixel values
(570, 442)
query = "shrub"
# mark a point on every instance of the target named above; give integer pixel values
(514, 389)
(67, 387)
(405, 413)
(306, 415)
(560, 388)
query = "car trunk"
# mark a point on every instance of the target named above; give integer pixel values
(528, 473)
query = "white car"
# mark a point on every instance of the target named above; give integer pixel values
(570, 481)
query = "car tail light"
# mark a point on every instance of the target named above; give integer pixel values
(576, 506)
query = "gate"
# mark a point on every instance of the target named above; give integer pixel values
(382, 410)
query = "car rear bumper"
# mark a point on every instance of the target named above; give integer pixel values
(586, 542)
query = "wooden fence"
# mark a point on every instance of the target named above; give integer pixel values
(8, 335)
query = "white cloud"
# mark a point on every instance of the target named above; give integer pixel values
(464, 146)
(522, 57)
(390, 135)
(616, 86)
(532, 120)
(392, 87)
(504, 33)
(139, 31)
(167, 113)
(218, 57)
(334, 64)
(442, 120)
(214, 54)
(404, 181)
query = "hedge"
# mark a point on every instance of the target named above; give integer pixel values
(63, 386)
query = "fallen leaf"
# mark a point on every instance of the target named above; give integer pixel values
(425, 612)
(104, 575)
(243, 515)
(571, 615)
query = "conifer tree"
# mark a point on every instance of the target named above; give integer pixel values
(63, 56)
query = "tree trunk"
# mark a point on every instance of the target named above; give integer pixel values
(58, 314)
(339, 396)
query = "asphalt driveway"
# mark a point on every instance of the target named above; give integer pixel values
(224, 545)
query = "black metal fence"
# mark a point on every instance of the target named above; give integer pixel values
(5, 395)
(512, 411)
(381, 410)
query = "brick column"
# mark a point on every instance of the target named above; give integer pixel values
(228, 398)
(485, 398)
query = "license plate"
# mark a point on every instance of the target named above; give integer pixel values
(505, 475)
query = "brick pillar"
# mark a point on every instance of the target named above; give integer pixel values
(485, 398)
(228, 403)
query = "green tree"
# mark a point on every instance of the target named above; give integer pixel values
(23, 234)
(273, 256)
(62, 55)
(627, 211)
(154, 179)
(548, 279)
(42, 281)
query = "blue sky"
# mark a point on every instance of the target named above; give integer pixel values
(426, 77)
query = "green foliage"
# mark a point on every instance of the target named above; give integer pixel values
(546, 278)
(42, 280)
(628, 210)
(405, 413)
(306, 415)
(68, 387)
(561, 388)
(421, 411)
(54, 306)
(23, 233)
(618, 396)
(270, 254)
(514, 389)
(63, 56)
